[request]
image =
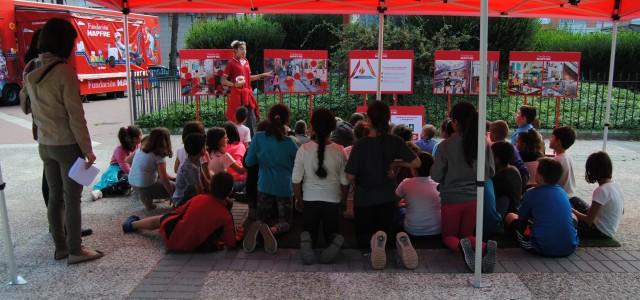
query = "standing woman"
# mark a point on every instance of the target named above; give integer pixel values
(237, 75)
(455, 169)
(54, 95)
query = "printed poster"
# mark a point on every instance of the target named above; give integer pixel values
(296, 71)
(201, 71)
(547, 74)
(458, 72)
(397, 71)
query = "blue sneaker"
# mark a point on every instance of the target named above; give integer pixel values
(127, 226)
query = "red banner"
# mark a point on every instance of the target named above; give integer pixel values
(296, 71)
(547, 74)
(458, 72)
(201, 71)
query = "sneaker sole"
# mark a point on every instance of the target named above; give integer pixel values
(489, 260)
(249, 241)
(467, 251)
(408, 254)
(330, 253)
(378, 255)
(270, 242)
(306, 251)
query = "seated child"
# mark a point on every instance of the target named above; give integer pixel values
(602, 217)
(427, 141)
(189, 128)
(525, 117)
(422, 217)
(530, 147)
(148, 175)
(219, 158)
(318, 171)
(114, 180)
(446, 131)
(189, 181)
(359, 131)
(498, 132)
(507, 181)
(544, 224)
(561, 139)
(301, 133)
(243, 130)
(202, 224)
(237, 150)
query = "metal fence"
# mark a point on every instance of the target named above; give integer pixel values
(157, 101)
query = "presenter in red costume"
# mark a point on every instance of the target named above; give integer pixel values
(237, 75)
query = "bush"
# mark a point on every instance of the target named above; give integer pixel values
(258, 32)
(595, 49)
(301, 32)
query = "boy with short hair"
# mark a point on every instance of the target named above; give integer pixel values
(561, 140)
(244, 131)
(204, 223)
(188, 179)
(300, 131)
(524, 119)
(544, 224)
(426, 141)
(498, 132)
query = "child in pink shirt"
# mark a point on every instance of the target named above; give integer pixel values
(114, 180)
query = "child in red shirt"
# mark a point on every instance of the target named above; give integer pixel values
(201, 224)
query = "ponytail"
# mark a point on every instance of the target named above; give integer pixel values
(323, 122)
(126, 135)
(278, 118)
(122, 137)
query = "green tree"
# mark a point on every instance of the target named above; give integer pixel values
(298, 27)
(258, 32)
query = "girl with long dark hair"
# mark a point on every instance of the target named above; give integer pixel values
(455, 169)
(319, 172)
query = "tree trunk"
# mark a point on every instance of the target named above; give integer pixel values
(173, 53)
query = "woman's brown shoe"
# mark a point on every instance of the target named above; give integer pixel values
(86, 254)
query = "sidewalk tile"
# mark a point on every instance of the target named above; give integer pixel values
(251, 265)
(539, 266)
(146, 295)
(524, 266)
(635, 263)
(610, 254)
(310, 268)
(553, 265)
(625, 255)
(499, 268)
(180, 295)
(510, 266)
(222, 265)
(161, 274)
(598, 266)
(188, 274)
(167, 268)
(156, 281)
(583, 255)
(237, 265)
(613, 266)
(634, 253)
(568, 265)
(597, 255)
(150, 288)
(327, 268)
(357, 265)
(627, 266)
(266, 265)
(188, 281)
(584, 266)
(281, 265)
(197, 268)
(184, 288)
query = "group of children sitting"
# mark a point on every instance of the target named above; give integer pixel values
(398, 189)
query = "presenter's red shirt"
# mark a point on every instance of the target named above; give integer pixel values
(239, 96)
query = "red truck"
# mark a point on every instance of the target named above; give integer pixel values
(99, 53)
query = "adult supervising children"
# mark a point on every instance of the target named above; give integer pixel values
(237, 75)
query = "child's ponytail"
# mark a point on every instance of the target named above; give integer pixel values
(122, 137)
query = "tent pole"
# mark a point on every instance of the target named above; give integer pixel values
(482, 117)
(612, 61)
(380, 48)
(125, 11)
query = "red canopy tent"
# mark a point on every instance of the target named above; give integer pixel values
(602, 10)
(586, 9)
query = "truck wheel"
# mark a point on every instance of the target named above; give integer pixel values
(10, 94)
(120, 95)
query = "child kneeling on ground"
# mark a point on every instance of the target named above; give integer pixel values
(602, 217)
(201, 224)
(190, 181)
(318, 170)
(544, 224)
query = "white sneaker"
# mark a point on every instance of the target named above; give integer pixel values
(96, 194)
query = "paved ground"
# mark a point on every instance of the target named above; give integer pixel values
(136, 265)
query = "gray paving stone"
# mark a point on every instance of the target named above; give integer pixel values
(266, 265)
(146, 295)
(172, 262)
(634, 253)
(160, 268)
(610, 254)
(251, 265)
(281, 265)
(568, 265)
(237, 265)
(155, 281)
(499, 268)
(625, 255)
(524, 266)
(611, 265)
(184, 288)
(189, 274)
(635, 263)
(539, 266)
(598, 266)
(554, 266)
(584, 266)
(180, 295)
(161, 274)
(583, 255)
(150, 288)
(597, 255)
(222, 265)
(627, 266)
(196, 268)
(188, 281)
(510, 266)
